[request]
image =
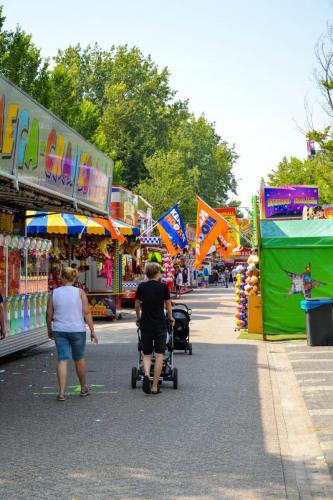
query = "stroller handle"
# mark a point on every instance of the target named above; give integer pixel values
(189, 310)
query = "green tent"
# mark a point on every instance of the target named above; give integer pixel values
(296, 262)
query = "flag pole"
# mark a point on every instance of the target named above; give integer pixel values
(156, 222)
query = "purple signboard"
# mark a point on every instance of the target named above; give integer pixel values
(287, 201)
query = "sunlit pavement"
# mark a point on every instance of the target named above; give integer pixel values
(217, 436)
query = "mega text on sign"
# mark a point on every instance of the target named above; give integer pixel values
(41, 150)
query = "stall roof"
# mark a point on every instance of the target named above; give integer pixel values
(41, 223)
(296, 233)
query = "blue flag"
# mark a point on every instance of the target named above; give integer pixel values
(173, 225)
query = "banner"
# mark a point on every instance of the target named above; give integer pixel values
(210, 226)
(223, 247)
(172, 231)
(38, 149)
(229, 213)
(287, 201)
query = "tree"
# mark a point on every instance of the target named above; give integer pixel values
(203, 149)
(317, 171)
(140, 112)
(170, 182)
(21, 62)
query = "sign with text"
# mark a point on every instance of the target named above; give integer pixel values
(287, 201)
(42, 151)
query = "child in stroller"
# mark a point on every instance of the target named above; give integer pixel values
(169, 371)
(182, 316)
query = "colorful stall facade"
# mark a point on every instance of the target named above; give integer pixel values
(87, 245)
(44, 165)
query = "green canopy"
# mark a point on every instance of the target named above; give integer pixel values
(296, 233)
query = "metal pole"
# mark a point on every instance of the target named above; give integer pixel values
(6, 256)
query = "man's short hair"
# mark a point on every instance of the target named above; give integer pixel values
(151, 269)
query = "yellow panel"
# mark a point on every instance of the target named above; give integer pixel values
(255, 314)
(92, 226)
(56, 224)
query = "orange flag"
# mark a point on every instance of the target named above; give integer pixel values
(209, 226)
(112, 228)
(167, 241)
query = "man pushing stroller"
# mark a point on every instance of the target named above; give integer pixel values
(149, 307)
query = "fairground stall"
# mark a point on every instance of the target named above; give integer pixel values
(294, 259)
(45, 166)
(296, 263)
(89, 245)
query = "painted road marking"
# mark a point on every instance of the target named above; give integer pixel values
(74, 390)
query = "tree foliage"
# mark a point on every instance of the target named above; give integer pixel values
(123, 103)
(316, 171)
(21, 62)
(170, 182)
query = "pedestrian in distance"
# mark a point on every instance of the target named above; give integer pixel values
(179, 283)
(227, 277)
(3, 332)
(151, 295)
(67, 311)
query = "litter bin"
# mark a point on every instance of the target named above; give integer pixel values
(319, 321)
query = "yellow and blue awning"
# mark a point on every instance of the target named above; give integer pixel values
(42, 223)
(70, 224)
(126, 229)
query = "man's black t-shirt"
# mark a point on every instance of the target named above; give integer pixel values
(1, 299)
(152, 295)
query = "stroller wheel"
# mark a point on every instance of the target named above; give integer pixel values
(175, 378)
(134, 377)
(190, 349)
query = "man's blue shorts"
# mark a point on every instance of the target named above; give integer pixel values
(70, 345)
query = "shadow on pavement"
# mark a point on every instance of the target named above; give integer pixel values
(206, 439)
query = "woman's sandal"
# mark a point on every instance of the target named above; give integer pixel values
(156, 392)
(61, 397)
(84, 392)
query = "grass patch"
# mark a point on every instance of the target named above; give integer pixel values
(271, 338)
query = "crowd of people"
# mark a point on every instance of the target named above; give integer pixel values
(225, 277)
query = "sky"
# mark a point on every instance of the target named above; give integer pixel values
(248, 66)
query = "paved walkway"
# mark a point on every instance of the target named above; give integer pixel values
(313, 368)
(220, 435)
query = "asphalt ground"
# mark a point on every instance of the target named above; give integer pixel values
(214, 437)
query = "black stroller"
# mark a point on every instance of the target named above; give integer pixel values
(169, 372)
(182, 315)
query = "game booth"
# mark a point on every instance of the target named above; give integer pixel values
(46, 166)
(89, 245)
(292, 258)
(296, 264)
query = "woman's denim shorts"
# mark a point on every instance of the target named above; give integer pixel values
(70, 345)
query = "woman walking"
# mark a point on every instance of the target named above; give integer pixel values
(67, 311)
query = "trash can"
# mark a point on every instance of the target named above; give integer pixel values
(319, 321)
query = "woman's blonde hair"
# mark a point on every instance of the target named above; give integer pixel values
(69, 274)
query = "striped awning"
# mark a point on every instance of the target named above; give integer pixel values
(126, 229)
(42, 223)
